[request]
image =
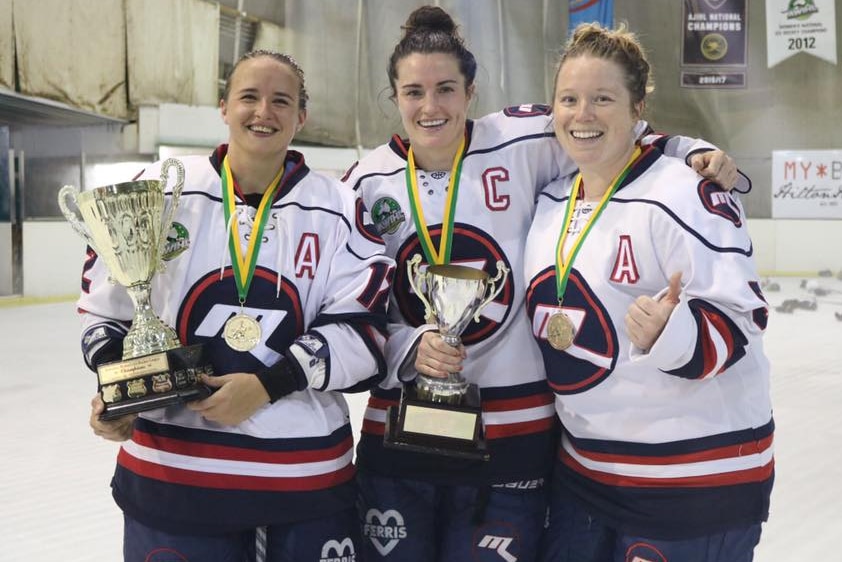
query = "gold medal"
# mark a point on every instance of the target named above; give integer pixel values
(242, 332)
(560, 331)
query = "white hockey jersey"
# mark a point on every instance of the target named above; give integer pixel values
(675, 442)
(509, 156)
(320, 271)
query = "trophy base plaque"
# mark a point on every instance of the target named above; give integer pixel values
(437, 428)
(153, 381)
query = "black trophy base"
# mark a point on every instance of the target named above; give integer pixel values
(153, 381)
(423, 426)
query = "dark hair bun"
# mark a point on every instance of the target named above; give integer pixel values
(429, 18)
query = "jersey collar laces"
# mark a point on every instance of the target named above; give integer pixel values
(244, 217)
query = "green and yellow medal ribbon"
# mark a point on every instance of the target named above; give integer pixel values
(563, 265)
(442, 255)
(244, 265)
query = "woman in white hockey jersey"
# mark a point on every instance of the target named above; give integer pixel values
(646, 305)
(484, 174)
(270, 451)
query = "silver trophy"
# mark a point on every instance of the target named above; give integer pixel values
(444, 415)
(126, 224)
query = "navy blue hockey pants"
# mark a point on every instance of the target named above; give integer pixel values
(413, 521)
(574, 535)
(333, 538)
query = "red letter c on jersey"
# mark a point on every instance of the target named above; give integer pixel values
(493, 200)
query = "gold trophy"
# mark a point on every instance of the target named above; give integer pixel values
(126, 225)
(444, 415)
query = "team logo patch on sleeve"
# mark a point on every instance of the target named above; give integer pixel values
(178, 240)
(719, 202)
(387, 215)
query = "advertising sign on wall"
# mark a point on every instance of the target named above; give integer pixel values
(807, 184)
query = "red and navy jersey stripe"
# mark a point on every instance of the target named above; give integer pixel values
(266, 477)
(673, 490)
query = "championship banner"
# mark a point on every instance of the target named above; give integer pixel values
(807, 184)
(587, 11)
(800, 26)
(715, 43)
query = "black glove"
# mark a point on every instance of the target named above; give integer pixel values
(284, 377)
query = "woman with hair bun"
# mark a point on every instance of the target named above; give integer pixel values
(485, 175)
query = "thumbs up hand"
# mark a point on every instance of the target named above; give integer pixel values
(646, 317)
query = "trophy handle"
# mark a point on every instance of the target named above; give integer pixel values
(68, 192)
(166, 221)
(493, 287)
(415, 278)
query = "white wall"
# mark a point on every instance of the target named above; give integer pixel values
(52, 259)
(53, 253)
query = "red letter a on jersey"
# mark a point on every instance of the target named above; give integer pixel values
(625, 270)
(307, 255)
